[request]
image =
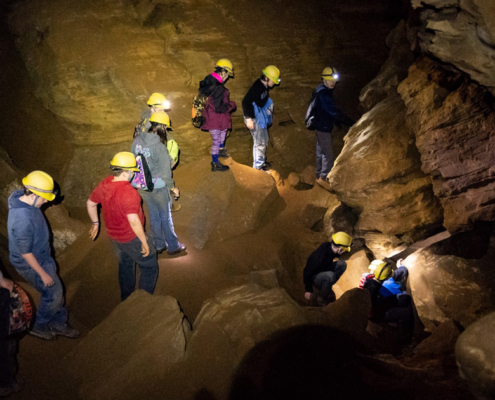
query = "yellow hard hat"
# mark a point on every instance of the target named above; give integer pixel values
(160, 117)
(330, 74)
(158, 99)
(272, 72)
(40, 183)
(226, 65)
(343, 240)
(124, 160)
(381, 269)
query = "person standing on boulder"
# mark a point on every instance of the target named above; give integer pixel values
(124, 222)
(323, 268)
(258, 110)
(217, 110)
(326, 116)
(30, 254)
(152, 144)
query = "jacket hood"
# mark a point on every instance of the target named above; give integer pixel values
(146, 139)
(109, 188)
(14, 201)
(321, 87)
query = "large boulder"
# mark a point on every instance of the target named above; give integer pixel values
(475, 354)
(379, 175)
(453, 122)
(461, 33)
(133, 349)
(449, 281)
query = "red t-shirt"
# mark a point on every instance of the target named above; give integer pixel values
(118, 199)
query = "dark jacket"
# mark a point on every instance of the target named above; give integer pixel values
(27, 230)
(258, 94)
(326, 113)
(321, 260)
(218, 107)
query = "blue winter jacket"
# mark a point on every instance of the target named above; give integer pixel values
(27, 230)
(327, 113)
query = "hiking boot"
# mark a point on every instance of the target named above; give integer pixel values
(223, 153)
(324, 184)
(66, 331)
(218, 167)
(182, 247)
(175, 207)
(45, 333)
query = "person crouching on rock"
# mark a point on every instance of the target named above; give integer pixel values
(30, 254)
(323, 268)
(124, 222)
(217, 110)
(389, 299)
(152, 144)
(326, 116)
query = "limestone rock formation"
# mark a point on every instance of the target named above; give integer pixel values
(134, 348)
(475, 354)
(461, 33)
(447, 283)
(378, 174)
(453, 122)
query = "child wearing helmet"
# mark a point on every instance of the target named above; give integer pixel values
(258, 109)
(389, 299)
(30, 254)
(217, 110)
(323, 268)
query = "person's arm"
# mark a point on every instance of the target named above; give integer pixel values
(328, 106)
(33, 263)
(93, 214)
(138, 230)
(6, 283)
(164, 167)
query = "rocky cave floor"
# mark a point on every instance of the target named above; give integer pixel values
(200, 274)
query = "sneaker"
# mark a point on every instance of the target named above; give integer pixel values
(223, 153)
(45, 334)
(66, 331)
(182, 247)
(219, 167)
(324, 184)
(266, 165)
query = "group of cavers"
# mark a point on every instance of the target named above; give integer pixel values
(148, 167)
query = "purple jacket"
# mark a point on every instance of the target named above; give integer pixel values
(218, 107)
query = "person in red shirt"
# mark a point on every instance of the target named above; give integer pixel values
(124, 222)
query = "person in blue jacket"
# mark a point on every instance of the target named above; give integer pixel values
(30, 254)
(326, 116)
(257, 108)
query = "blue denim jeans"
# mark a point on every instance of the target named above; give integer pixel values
(324, 154)
(325, 280)
(162, 226)
(260, 143)
(50, 310)
(128, 254)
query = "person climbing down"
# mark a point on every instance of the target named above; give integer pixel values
(124, 223)
(326, 116)
(30, 254)
(152, 145)
(389, 299)
(217, 110)
(323, 268)
(258, 111)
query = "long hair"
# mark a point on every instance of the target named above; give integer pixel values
(160, 130)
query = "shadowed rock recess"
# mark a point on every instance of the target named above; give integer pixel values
(228, 319)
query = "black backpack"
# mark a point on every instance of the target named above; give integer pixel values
(310, 119)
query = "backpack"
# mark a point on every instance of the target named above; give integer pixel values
(173, 151)
(310, 120)
(198, 105)
(142, 180)
(15, 311)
